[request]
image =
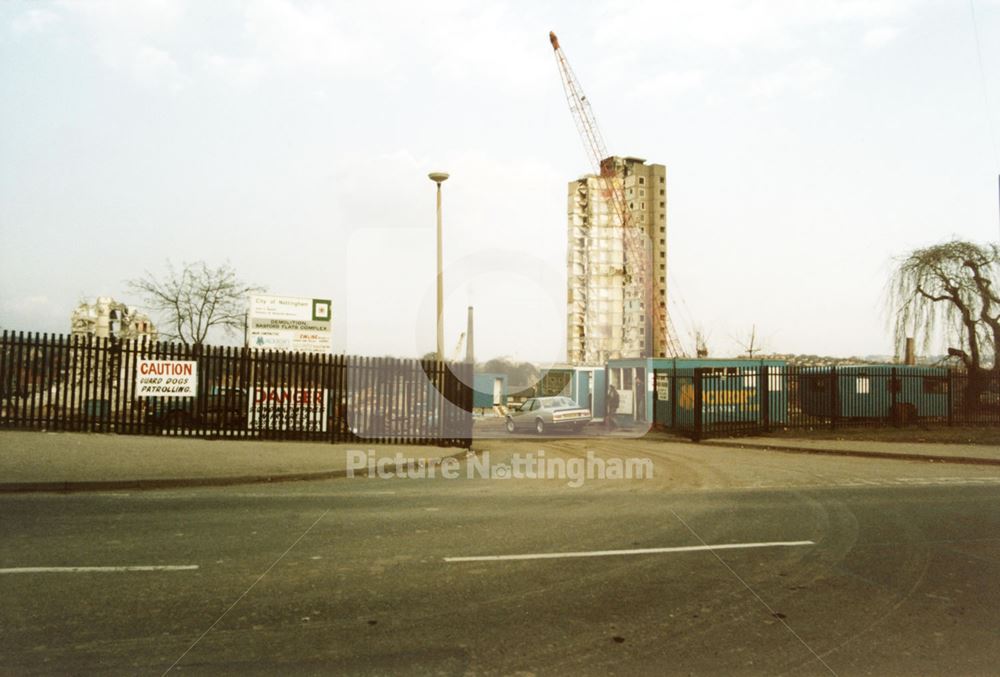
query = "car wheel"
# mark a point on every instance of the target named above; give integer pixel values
(509, 425)
(539, 426)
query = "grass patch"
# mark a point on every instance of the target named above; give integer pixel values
(985, 435)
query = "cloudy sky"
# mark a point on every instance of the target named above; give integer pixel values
(807, 143)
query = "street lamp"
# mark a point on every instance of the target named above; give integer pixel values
(439, 178)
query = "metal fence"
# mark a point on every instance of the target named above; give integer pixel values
(723, 401)
(55, 382)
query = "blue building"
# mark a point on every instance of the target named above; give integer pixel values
(585, 385)
(875, 391)
(489, 390)
(661, 390)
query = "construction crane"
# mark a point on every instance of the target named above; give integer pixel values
(638, 279)
(456, 355)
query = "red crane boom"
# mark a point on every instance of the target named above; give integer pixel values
(638, 250)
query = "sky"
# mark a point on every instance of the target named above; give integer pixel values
(807, 144)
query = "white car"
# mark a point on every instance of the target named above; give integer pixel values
(542, 414)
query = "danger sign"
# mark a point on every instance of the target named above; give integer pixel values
(283, 408)
(166, 378)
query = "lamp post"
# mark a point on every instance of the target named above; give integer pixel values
(439, 178)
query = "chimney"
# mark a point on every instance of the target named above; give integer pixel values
(910, 356)
(469, 349)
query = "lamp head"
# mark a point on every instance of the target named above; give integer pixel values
(438, 177)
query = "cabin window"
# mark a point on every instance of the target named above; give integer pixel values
(863, 385)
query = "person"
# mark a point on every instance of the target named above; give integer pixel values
(609, 418)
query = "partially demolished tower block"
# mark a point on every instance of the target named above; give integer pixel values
(605, 307)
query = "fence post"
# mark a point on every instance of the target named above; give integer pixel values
(834, 398)
(697, 405)
(951, 400)
(673, 396)
(764, 397)
(894, 387)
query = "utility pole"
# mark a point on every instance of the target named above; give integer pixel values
(439, 178)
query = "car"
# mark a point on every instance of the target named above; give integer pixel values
(222, 407)
(542, 414)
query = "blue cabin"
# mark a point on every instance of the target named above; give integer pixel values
(661, 390)
(489, 390)
(874, 391)
(585, 385)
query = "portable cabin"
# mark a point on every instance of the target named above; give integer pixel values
(661, 390)
(584, 384)
(874, 391)
(489, 390)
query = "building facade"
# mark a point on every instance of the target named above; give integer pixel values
(107, 318)
(607, 314)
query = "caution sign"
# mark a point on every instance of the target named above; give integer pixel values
(166, 378)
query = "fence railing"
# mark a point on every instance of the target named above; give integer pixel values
(707, 402)
(56, 382)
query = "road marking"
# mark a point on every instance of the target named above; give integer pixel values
(640, 551)
(780, 617)
(85, 570)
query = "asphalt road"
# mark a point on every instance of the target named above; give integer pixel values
(353, 576)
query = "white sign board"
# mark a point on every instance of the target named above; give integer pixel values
(284, 408)
(625, 398)
(663, 387)
(166, 378)
(290, 323)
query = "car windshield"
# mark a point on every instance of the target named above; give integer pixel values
(554, 402)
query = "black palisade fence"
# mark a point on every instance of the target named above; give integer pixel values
(55, 382)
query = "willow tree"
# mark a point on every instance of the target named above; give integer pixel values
(950, 290)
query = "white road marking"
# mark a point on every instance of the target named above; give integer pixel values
(640, 551)
(85, 570)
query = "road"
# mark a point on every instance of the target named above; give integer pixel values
(833, 566)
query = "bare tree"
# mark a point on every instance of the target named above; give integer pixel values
(751, 346)
(951, 289)
(195, 299)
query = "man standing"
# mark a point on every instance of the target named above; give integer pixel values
(609, 417)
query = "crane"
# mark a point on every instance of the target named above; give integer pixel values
(457, 354)
(638, 280)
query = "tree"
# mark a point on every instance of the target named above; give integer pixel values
(951, 288)
(518, 373)
(196, 299)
